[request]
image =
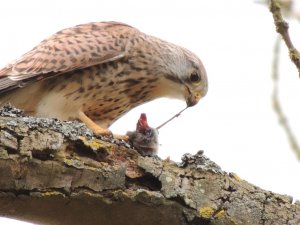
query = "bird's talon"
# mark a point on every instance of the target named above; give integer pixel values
(103, 132)
(121, 137)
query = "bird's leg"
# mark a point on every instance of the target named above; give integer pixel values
(93, 126)
(97, 129)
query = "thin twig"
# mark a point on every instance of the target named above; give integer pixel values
(276, 103)
(282, 28)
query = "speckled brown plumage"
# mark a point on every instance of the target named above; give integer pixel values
(97, 72)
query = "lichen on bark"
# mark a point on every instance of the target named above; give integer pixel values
(54, 172)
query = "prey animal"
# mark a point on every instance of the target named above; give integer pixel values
(97, 72)
(145, 138)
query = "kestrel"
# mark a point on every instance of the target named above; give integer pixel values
(97, 72)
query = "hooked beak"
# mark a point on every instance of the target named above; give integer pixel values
(192, 98)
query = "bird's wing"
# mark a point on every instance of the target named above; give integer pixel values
(70, 49)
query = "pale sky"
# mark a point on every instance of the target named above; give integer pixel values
(234, 124)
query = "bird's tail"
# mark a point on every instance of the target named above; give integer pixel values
(6, 83)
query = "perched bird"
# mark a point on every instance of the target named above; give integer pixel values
(145, 138)
(97, 72)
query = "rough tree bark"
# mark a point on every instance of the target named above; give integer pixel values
(54, 172)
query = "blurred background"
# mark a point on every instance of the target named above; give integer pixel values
(235, 124)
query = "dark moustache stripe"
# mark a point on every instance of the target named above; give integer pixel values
(173, 78)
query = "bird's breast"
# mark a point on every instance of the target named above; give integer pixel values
(104, 93)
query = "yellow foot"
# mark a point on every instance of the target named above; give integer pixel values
(100, 131)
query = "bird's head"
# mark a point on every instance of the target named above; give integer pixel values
(186, 76)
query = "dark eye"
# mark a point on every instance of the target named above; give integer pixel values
(195, 77)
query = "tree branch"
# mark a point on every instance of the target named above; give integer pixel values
(54, 172)
(282, 28)
(277, 105)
